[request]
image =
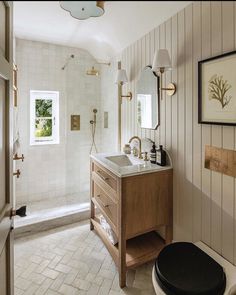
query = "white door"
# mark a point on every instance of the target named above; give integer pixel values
(6, 107)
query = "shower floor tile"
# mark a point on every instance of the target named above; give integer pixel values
(49, 210)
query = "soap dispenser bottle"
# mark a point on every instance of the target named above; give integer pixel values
(153, 154)
(161, 156)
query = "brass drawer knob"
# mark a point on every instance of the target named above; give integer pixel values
(16, 157)
(17, 173)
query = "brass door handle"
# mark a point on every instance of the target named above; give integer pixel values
(16, 157)
(103, 177)
(103, 204)
(17, 173)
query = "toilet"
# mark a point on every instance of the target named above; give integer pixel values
(184, 268)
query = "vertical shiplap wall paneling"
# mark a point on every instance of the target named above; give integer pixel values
(162, 128)
(168, 98)
(197, 214)
(133, 113)
(235, 149)
(135, 65)
(139, 67)
(143, 63)
(204, 201)
(174, 151)
(123, 110)
(151, 55)
(228, 142)
(216, 135)
(181, 120)
(129, 103)
(147, 62)
(156, 47)
(126, 102)
(206, 130)
(188, 207)
(126, 89)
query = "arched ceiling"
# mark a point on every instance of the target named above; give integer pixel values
(122, 23)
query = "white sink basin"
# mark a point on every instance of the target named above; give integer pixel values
(123, 160)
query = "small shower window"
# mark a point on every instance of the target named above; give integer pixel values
(44, 117)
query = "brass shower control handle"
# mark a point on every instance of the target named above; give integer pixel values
(16, 157)
(103, 177)
(17, 173)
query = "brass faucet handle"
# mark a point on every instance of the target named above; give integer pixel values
(140, 155)
(145, 156)
(135, 151)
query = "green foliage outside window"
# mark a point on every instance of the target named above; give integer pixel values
(43, 122)
(43, 108)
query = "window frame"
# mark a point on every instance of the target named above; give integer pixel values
(44, 95)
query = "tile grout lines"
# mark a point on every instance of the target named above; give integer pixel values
(72, 260)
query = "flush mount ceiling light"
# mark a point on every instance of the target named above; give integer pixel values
(83, 9)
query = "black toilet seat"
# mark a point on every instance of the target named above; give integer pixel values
(184, 269)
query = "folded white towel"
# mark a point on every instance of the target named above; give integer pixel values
(110, 233)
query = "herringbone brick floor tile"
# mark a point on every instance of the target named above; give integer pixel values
(72, 260)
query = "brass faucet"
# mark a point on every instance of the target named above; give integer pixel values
(140, 145)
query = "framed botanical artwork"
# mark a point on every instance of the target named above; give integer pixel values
(217, 90)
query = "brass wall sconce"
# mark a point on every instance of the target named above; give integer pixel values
(121, 79)
(161, 64)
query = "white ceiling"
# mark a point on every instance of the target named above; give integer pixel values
(122, 23)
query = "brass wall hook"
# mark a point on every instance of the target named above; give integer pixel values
(17, 173)
(16, 157)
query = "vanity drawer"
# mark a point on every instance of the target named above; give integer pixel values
(106, 204)
(107, 177)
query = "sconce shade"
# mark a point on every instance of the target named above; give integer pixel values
(121, 77)
(161, 60)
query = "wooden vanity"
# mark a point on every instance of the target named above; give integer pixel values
(135, 207)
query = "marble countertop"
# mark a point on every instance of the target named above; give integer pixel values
(139, 166)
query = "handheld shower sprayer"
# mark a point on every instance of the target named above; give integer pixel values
(94, 117)
(93, 130)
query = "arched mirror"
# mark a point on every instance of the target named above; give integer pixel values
(148, 99)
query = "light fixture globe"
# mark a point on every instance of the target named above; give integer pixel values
(83, 9)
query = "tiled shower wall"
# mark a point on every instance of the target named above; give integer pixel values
(204, 201)
(51, 171)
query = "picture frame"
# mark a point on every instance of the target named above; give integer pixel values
(217, 90)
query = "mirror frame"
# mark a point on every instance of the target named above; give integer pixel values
(158, 98)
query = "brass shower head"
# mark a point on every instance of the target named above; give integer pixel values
(92, 72)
